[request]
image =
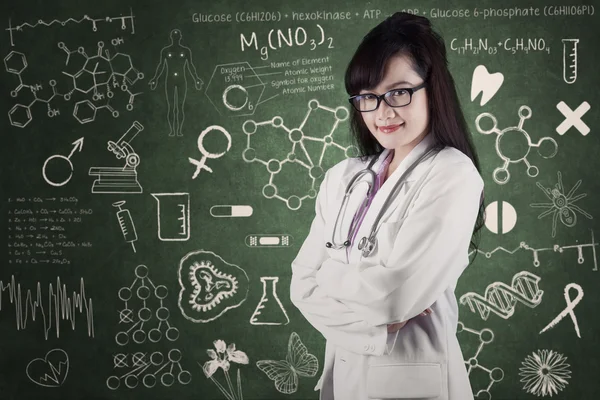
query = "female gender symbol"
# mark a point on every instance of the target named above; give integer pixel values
(200, 165)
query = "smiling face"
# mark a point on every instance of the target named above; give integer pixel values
(406, 125)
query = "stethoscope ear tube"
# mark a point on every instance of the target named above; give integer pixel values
(347, 193)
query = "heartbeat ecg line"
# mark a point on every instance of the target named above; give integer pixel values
(60, 305)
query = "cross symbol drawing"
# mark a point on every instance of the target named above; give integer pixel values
(573, 118)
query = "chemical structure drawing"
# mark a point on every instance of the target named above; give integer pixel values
(516, 145)
(101, 75)
(297, 137)
(556, 248)
(496, 374)
(86, 18)
(561, 205)
(501, 298)
(235, 89)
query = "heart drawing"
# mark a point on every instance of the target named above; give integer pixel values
(51, 371)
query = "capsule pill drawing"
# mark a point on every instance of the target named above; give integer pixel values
(231, 211)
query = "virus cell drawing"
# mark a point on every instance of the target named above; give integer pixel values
(562, 205)
(209, 286)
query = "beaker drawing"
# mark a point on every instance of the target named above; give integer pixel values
(269, 310)
(173, 215)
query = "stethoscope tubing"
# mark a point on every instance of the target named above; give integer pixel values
(367, 243)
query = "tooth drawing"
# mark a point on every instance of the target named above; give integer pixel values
(485, 83)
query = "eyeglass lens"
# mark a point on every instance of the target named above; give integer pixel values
(395, 98)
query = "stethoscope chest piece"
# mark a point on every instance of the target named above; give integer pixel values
(366, 246)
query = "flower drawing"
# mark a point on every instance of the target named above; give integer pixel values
(545, 373)
(222, 358)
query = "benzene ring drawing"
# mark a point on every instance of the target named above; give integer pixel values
(516, 145)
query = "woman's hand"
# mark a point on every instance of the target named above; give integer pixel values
(391, 328)
(396, 327)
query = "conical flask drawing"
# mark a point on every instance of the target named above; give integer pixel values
(269, 310)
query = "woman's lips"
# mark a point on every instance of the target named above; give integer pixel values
(390, 128)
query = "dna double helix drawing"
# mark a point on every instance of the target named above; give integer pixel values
(501, 298)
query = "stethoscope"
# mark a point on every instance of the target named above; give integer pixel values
(367, 243)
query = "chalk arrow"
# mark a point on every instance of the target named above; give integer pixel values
(77, 146)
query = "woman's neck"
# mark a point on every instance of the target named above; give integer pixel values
(401, 153)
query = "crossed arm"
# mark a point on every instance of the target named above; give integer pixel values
(351, 304)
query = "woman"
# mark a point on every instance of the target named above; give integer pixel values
(370, 307)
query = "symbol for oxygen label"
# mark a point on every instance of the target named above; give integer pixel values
(570, 60)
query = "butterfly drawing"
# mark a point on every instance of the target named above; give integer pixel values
(298, 362)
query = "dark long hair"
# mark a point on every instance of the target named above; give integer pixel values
(412, 36)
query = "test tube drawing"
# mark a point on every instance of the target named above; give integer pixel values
(173, 215)
(126, 224)
(570, 60)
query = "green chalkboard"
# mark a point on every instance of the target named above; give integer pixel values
(160, 162)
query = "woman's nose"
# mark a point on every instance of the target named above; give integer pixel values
(384, 111)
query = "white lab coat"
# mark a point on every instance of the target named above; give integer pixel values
(422, 249)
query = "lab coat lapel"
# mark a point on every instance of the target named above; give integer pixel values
(354, 201)
(383, 193)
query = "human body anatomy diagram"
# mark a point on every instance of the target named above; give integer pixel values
(176, 62)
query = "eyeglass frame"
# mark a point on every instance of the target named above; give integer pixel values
(410, 91)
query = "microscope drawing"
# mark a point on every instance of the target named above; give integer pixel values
(120, 179)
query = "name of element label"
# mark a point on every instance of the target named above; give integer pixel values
(306, 74)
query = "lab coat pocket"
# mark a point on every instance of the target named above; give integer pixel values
(404, 381)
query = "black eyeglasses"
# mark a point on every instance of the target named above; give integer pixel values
(394, 98)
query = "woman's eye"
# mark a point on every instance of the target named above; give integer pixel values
(399, 92)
